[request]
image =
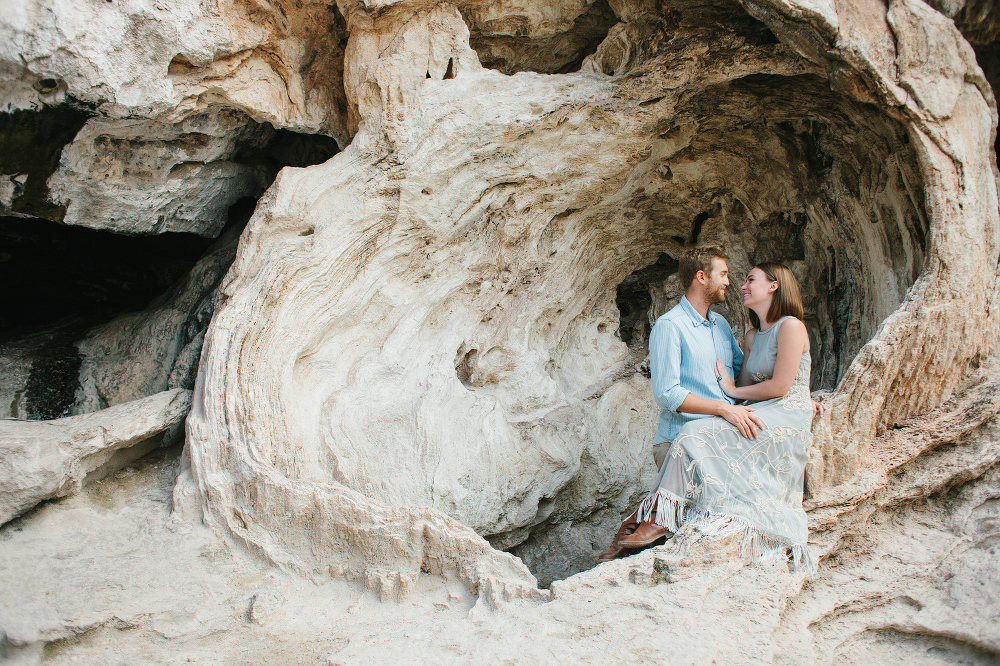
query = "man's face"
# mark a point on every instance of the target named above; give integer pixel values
(717, 281)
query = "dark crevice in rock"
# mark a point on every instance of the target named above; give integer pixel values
(53, 272)
(635, 300)
(697, 224)
(52, 382)
(988, 57)
(30, 145)
(66, 284)
(979, 21)
(288, 148)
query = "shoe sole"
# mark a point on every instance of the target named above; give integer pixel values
(642, 544)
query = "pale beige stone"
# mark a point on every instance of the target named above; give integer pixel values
(48, 459)
(416, 349)
(456, 307)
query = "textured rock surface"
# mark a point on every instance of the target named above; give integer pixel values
(77, 356)
(122, 582)
(50, 459)
(176, 96)
(448, 338)
(433, 344)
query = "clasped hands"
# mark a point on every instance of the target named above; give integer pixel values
(741, 416)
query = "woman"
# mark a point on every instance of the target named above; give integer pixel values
(726, 482)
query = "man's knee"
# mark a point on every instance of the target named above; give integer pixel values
(660, 453)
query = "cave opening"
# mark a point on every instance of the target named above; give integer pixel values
(503, 43)
(773, 168)
(66, 281)
(56, 273)
(830, 188)
(30, 145)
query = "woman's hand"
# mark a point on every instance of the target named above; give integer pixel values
(818, 408)
(726, 382)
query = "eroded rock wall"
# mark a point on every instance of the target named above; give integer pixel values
(172, 99)
(445, 330)
(422, 354)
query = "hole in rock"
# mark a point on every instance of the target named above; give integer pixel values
(294, 149)
(54, 272)
(46, 86)
(699, 222)
(31, 143)
(180, 65)
(62, 280)
(635, 297)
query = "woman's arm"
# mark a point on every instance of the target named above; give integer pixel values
(744, 378)
(792, 343)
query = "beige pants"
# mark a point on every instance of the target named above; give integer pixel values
(660, 452)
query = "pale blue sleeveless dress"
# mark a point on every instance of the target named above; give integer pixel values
(727, 483)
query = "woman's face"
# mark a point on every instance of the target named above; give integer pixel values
(758, 290)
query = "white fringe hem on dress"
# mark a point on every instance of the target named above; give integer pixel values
(669, 511)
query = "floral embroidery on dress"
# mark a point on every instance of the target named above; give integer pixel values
(733, 483)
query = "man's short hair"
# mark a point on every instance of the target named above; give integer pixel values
(699, 259)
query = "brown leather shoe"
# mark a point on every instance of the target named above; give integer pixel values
(645, 535)
(616, 551)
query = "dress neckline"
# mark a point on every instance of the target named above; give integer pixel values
(774, 325)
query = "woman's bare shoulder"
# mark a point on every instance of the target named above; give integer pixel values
(793, 330)
(792, 325)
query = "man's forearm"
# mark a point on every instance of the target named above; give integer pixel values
(742, 417)
(694, 404)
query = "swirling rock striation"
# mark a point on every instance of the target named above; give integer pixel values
(429, 319)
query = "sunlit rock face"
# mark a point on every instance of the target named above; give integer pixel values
(175, 107)
(429, 323)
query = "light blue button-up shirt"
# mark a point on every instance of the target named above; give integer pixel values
(683, 347)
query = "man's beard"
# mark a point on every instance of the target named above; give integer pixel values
(720, 295)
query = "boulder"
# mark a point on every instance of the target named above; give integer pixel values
(43, 460)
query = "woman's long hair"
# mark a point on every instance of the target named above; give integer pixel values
(786, 300)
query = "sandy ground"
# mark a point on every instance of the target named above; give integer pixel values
(109, 577)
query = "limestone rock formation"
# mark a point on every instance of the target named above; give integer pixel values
(165, 106)
(449, 338)
(431, 345)
(48, 459)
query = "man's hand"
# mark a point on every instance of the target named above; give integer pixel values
(818, 408)
(743, 418)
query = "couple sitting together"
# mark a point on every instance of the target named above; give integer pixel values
(731, 468)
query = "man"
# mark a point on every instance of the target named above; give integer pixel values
(683, 348)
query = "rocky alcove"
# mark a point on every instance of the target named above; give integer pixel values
(88, 303)
(775, 169)
(417, 364)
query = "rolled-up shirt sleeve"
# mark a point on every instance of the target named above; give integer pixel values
(665, 365)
